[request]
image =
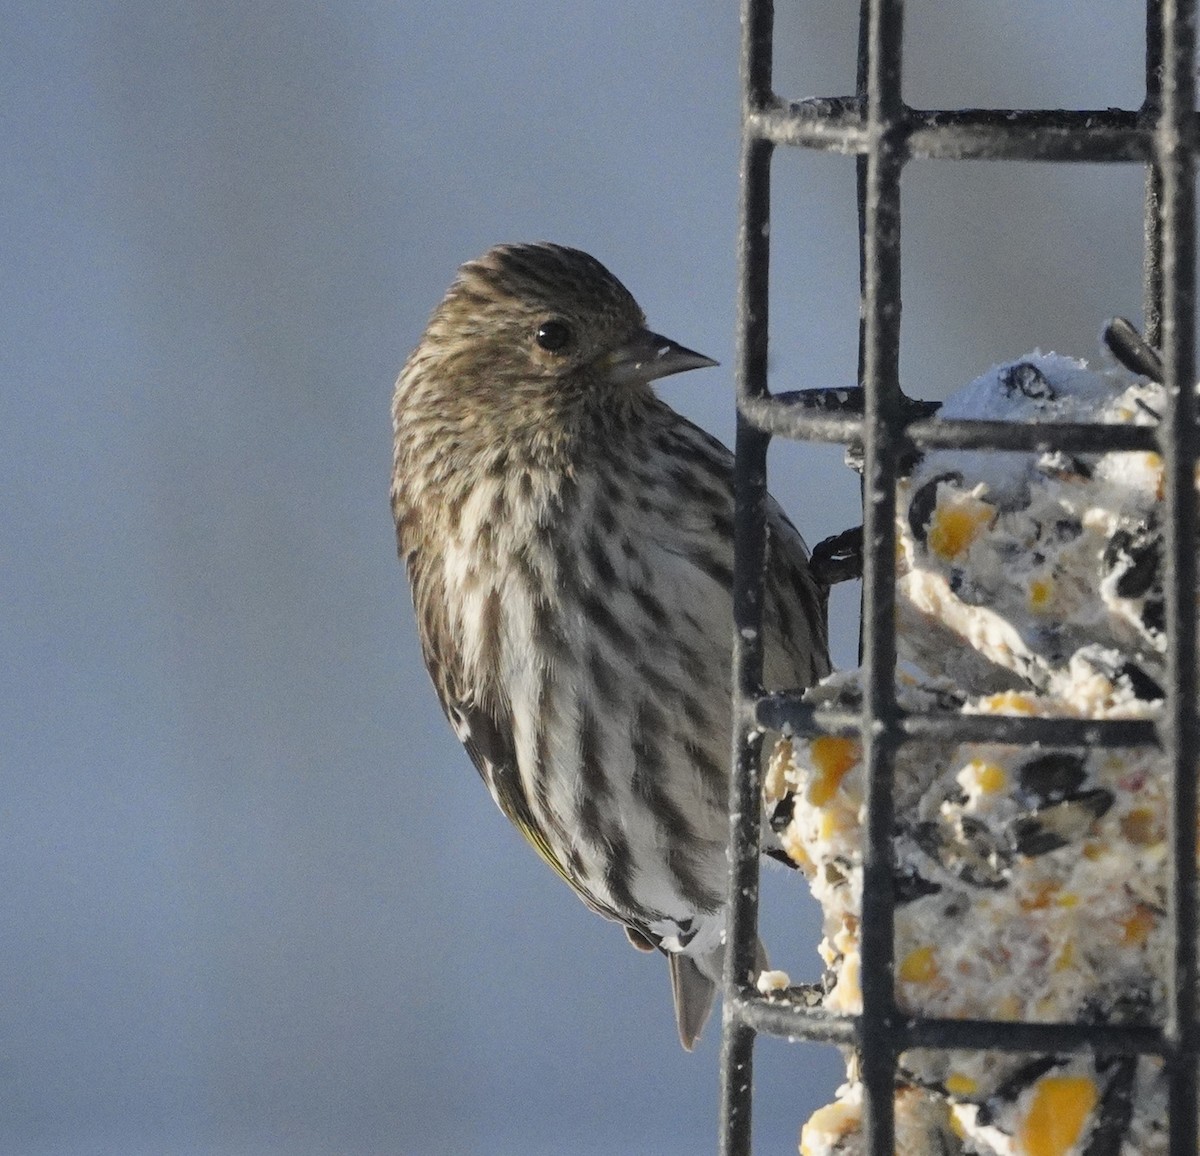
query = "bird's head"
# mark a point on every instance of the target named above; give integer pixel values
(539, 334)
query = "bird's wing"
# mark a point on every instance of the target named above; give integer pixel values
(485, 731)
(489, 742)
(799, 602)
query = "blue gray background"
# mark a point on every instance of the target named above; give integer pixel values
(254, 899)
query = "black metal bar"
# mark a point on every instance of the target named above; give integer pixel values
(750, 497)
(838, 125)
(783, 1019)
(1152, 251)
(780, 415)
(745, 806)
(882, 416)
(1173, 161)
(789, 714)
(777, 1016)
(1027, 1036)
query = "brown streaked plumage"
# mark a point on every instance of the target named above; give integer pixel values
(569, 541)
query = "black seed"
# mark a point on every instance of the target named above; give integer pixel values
(1142, 685)
(948, 699)
(1050, 778)
(908, 886)
(1140, 556)
(1027, 379)
(924, 502)
(1011, 1088)
(1126, 1005)
(970, 853)
(780, 856)
(1032, 839)
(1060, 465)
(781, 813)
(1096, 801)
(1116, 1108)
(1060, 824)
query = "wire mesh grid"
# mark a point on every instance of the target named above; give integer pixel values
(883, 134)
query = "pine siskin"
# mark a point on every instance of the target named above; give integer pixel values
(569, 540)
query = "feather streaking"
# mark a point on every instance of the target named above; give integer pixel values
(569, 541)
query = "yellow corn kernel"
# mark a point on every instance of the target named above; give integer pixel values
(1142, 827)
(1040, 590)
(991, 778)
(1009, 1008)
(1154, 464)
(794, 847)
(831, 1121)
(1008, 702)
(1066, 957)
(1136, 927)
(1057, 1115)
(1039, 898)
(957, 524)
(959, 1085)
(847, 993)
(832, 757)
(919, 966)
(845, 938)
(1067, 899)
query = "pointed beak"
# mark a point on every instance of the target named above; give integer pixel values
(647, 356)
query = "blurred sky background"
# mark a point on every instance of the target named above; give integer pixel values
(255, 899)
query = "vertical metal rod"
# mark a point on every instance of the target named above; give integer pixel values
(881, 365)
(750, 497)
(745, 804)
(1152, 288)
(1174, 162)
(860, 187)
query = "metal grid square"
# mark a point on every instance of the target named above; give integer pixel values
(883, 133)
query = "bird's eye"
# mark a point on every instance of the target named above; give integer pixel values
(553, 336)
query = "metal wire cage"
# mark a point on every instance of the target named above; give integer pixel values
(883, 133)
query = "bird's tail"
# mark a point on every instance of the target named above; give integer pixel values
(694, 982)
(693, 993)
